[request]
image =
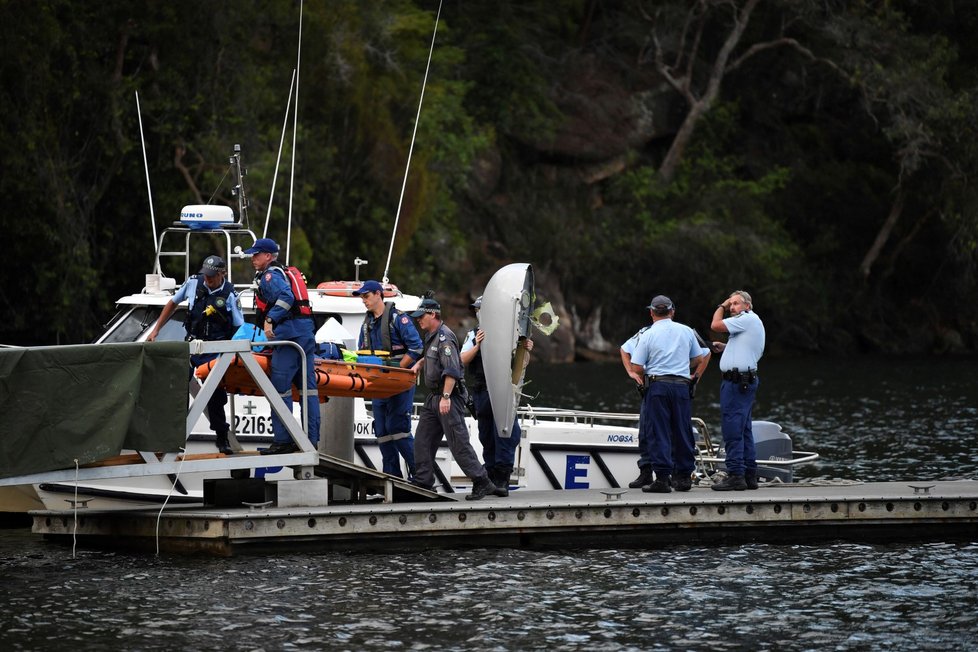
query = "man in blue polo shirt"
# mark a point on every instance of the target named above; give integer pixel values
(664, 354)
(738, 388)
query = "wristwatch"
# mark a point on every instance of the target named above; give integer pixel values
(446, 395)
(268, 320)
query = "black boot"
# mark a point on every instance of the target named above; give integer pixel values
(222, 443)
(682, 481)
(661, 485)
(500, 478)
(750, 479)
(731, 483)
(644, 478)
(483, 487)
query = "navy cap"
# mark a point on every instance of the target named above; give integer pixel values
(426, 306)
(368, 286)
(661, 305)
(263, 245)
(213, 265)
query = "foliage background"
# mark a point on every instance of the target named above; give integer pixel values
(831, 174)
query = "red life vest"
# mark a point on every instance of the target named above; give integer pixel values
(297, 283)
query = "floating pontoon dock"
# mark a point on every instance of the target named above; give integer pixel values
(878, 511)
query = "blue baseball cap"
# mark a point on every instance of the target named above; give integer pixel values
(368, 286)
(263, 245)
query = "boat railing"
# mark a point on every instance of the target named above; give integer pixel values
(234, 235)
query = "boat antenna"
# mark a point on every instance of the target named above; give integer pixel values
(414, 134)
(149, 190)
(239, 190)
(295, 126)
(285, 124)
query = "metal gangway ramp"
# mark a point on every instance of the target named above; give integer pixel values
(363, 483)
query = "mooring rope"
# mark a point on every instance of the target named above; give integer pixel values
(173, 485)
(74, 506)
(417, 119)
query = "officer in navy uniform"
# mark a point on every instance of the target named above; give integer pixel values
(664, 354)
(738, 364)
(213, 313)
(385, 328)
(443, 412)
(498, 453)
(283, 317)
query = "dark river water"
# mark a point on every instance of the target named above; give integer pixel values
(870, 419)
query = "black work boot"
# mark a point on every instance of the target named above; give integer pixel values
(500, 478)
(222, 443)
(483, 487)
(750, 479)
(661, 485)
(644, 478)
(682, 481)
(731, 483)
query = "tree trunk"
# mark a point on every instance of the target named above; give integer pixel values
(884, 234)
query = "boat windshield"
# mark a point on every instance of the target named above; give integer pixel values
(128, 326)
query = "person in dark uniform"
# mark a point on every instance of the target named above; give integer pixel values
(284, 316)
(387, 329)
(213, 313)
(498, 453)
(645, 475)
(443, 412)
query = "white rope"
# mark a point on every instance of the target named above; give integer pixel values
(74, 505)
(149, 190)
(173, 485)
(295, 128)
(407, 168)
(281, 141)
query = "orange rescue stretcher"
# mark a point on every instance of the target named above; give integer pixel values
(333, 378)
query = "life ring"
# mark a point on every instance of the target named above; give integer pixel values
(333, 378)
(347, 288)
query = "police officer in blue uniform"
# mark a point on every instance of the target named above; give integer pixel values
(664, 354)
(443, 412)
(283, 316)
(387, 329)
(213, 313)
(738, 365)
(498, 453)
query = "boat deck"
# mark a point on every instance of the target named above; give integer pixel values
(877, 511)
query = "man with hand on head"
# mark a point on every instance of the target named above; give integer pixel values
(738, 364)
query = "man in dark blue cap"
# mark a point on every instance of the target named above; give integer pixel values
(443, 412)
(664, 354)
(388, 330)
(213, 314)
(283, 311)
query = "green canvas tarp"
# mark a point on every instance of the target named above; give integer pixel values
(88, 402)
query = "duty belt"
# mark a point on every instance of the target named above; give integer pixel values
(736, 376)
(676, 380)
